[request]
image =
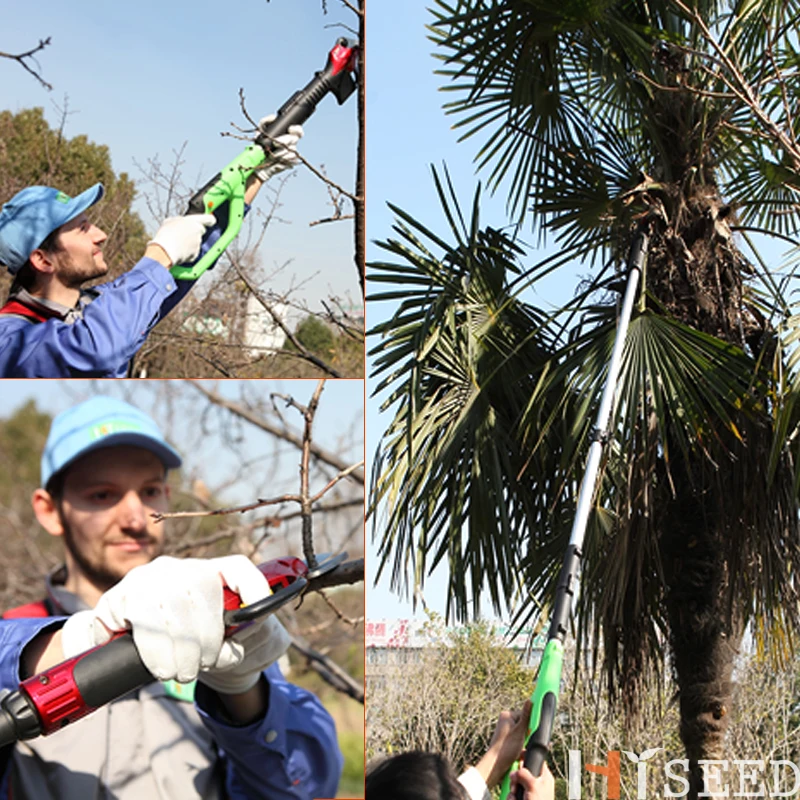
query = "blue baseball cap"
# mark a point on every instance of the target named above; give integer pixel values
(98, 423)
(31, 215)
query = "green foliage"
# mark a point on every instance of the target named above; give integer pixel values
(28, 551)
(598, 119)
(315, 336)
(340, 348)
(22, 439)
(461, 359)
(33, 153)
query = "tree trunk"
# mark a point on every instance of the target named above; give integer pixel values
(704, 628)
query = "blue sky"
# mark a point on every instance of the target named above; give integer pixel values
(144, 78)
(407, 132)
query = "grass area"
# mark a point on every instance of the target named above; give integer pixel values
(352, 746)
(349, 717)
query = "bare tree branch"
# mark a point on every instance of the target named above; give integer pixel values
(348, 573)
(304, 352)
(353, 8)
(305, 499)
(318, 172)
(282, 433)
(332, 606)
(260, 503)
(330, 672)
(22, 58)
(330, 219)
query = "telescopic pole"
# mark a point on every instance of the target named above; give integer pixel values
(545, 694)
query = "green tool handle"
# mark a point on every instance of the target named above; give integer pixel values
(543, 711)
(226, 187)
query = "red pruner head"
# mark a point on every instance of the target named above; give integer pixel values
(342, 69)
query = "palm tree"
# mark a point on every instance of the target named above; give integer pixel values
(599, 116)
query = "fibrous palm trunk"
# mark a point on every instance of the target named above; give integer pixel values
(695, 274)
(704, 629)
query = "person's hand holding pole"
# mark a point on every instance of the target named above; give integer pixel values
(541, 788)
(178, 239)
(505, 746)
(283, 155)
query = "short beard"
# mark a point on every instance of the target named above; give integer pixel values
(100, 576)
(74, 277)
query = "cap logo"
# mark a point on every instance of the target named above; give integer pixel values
(112, 426)
(63, 198)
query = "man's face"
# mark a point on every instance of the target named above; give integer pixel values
(106, 505)
(80, 255)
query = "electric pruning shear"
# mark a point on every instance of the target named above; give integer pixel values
(228, 186)
(49, 701)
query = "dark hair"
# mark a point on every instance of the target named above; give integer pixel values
(55, 486)
(26, 277)
(413, 776)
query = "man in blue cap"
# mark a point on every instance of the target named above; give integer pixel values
(245, 733)
(51, 327)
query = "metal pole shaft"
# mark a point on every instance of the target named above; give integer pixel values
(586, 492)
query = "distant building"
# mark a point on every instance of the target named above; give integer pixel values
(261, 331)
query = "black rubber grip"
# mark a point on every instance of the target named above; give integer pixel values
(539, 742)
(296, 110)
(18, 718)
(108, 672)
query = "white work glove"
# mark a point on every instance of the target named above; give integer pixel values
(174, 609)
(180, 237)
(264, 641)
(284, 156)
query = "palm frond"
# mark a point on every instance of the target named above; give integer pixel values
(455, 360)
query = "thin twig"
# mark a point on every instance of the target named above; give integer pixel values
(303, 351)
(20, 58)
(260, 503)
(349, 5)
(218, 512)
(244, 109)
(321, 175)
(330, 219)
(332, 606)
(336, 478)
(305, 499)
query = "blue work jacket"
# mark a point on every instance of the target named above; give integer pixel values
(98, 339)
(100, 344)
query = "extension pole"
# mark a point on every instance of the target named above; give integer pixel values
(545, 694)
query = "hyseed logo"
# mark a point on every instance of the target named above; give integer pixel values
(63, 198)
(737, 778)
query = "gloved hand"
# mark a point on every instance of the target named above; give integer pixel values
(264, 641)
(174, 609)
(284, 156)
(180, 237)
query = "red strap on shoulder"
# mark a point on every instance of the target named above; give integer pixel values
(37, 609)
(15, 307)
